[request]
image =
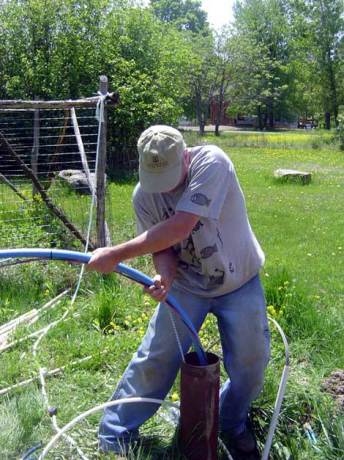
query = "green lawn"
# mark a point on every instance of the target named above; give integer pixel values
(301, 231)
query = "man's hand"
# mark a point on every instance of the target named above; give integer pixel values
(160, 288)
(104, 260)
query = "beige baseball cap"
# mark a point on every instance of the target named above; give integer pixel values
(161, 156)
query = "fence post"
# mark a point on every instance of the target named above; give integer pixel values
(100, 179)
(35, 149)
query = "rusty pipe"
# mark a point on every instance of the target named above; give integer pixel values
(199, 407)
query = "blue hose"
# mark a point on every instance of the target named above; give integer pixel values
(131, 273)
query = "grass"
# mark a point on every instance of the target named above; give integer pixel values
(300, 228)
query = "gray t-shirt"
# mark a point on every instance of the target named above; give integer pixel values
(221, 253)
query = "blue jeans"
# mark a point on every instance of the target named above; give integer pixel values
(245, 339)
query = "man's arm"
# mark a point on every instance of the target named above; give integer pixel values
(161, 236)
(165, 263)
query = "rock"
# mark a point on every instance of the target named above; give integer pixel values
(293, 176)
(77, 180)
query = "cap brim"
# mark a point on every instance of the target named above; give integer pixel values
(160, 182)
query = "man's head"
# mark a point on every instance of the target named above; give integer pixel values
(161, 159)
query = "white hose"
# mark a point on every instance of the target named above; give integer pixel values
(280, 394)
(42, 371)
(98, 408)
(272, 427)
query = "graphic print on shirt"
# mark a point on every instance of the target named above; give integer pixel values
(208, 251)
(219, 236)
(217, 279)
(183, 265)
(231, 267)
(169, 212)
(189, 247)
(197, 227)
(200, 199)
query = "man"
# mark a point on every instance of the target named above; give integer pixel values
(191, 216)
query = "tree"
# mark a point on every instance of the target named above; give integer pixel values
(261, 57)
(316, 39)
(199, 76)
(184, 14)
(53, 47)
(223, 70)
(146, 64)
(58, 49)
(326, 35)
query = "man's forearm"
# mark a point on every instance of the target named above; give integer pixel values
(158, 238)
(165, 263)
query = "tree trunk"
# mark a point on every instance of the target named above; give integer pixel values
(219, 114)
(333, 92)
(271, 118)
(327, 120)
(218, 117)
(199, 113)
(260, 119)
(270, 113)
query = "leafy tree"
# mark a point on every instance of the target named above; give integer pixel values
(260, 52)
(146, 64)
(53, 47)
(223, 72)
(58, 49)
(188, 17)
(322, 22)
(184, 14)
(200, 78)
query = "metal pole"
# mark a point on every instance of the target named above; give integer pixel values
(101, 169)
(35, 149)
(199, 407)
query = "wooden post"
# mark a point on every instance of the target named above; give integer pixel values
(101, 169)
(35, 149)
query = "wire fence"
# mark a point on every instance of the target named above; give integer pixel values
(60, 150)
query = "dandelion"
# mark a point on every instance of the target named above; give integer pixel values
(175, 396)
(271, 310)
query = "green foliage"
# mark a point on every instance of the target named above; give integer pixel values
(317, 47)
(33, 235)
(147, 70)
(261, 59)
(57, 50)
(19, 422)
(184, 14)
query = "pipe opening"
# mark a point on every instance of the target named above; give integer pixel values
(192, 359)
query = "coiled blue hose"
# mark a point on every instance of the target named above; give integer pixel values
(131, 273)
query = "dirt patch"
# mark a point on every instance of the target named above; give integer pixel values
(334, 385)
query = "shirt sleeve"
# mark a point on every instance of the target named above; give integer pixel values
(207, 189)
(144, 219)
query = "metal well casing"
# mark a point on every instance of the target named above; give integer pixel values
(199, 407)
